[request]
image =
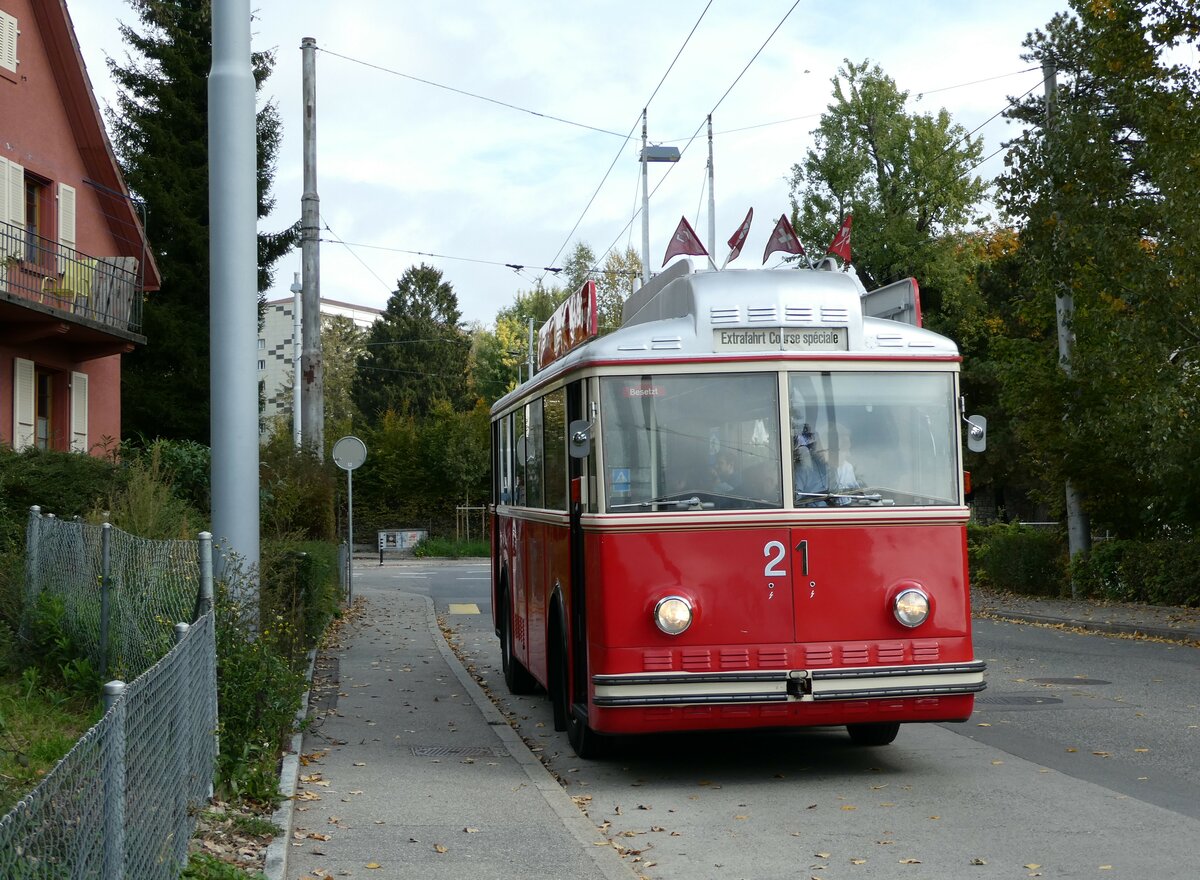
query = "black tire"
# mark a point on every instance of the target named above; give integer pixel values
(516, 676)
(586, 742)
(873, 734)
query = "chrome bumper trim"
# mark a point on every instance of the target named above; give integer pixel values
(787, 685)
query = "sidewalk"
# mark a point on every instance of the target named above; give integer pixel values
(408, 770)
(1122, 618)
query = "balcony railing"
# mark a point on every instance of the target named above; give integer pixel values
(107, 290)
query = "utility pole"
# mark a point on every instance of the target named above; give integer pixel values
(311, 363)
(712, 197)
(1079, 529)
(233, 300)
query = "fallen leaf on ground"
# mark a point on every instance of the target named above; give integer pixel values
(438, 848)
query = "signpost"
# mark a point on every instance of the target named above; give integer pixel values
(349, 453)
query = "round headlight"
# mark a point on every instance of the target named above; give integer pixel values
(673, 615)
(911, 607)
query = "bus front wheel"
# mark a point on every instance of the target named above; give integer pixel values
(516, 676)
(873, 734)
(584, 741)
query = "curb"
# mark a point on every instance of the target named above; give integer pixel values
(1100, 626)
(275, 865)
(605, 858)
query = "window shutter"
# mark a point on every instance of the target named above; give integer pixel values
(8, 42)
(79, 412)
(23, 403)
(12, 209)
(66, 226)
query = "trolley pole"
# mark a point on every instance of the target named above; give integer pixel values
(712, 197)
(645, 209)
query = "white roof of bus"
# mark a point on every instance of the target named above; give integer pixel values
(677, 313)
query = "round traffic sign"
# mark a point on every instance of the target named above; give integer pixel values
(349, 453)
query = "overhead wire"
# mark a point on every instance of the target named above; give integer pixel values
(632, 128)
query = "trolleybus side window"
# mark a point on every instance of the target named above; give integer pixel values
(691, 442)
(503, 463)
(534, 495)
(872, 438)
(520, 456)
(555, 448)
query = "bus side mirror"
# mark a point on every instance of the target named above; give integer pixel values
(976, 433)
(579, 438)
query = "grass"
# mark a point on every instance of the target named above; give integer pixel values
(38, 725)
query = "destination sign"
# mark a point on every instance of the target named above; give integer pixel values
(781, 339)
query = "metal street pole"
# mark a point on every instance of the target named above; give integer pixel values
(312, 364)
(233, 289)
(712, 197)
(645, 209)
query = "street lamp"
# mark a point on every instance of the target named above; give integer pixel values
(650, 154)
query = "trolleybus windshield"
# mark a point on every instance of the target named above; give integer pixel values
(699, 442)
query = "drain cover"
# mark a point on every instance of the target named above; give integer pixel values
(456, 752)
(1018, 701)
(1070, 681)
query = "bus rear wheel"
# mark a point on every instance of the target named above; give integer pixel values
(873, 734)
(516, 676)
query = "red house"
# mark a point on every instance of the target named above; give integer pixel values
(74, 262)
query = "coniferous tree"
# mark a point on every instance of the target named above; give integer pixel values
(160, 132)
(417, 353)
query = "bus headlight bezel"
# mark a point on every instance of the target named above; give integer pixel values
(673, 615)
(911, 607)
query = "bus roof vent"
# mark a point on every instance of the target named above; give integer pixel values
(762, 313)
(724, 314)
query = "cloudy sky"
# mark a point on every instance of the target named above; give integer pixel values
(412, 169)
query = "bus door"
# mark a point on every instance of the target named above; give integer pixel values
(578, 469)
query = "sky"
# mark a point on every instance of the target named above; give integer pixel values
(410, 169)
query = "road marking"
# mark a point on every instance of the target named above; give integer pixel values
(463, 608)
(488, 578)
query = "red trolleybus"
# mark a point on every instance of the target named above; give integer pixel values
(744, 508)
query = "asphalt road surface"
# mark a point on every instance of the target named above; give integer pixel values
(1082, 760)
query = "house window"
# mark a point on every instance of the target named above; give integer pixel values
(262, 365)
(262, 344)
(8, 42)
(43, 409)
(35, 195)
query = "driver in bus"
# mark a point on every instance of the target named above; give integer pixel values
(810, 469)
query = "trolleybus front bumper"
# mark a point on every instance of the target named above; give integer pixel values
(787, 685)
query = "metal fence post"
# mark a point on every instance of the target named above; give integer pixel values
(105, 588)
(33, 573)
(183, 759)
(204, 600)
(114, 782)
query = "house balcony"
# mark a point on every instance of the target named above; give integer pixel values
(47, 289)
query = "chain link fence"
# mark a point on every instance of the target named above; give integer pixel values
(118, 594)
(123, 802)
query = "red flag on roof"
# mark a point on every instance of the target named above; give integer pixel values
(783, 238)
(684, 241)
(739, 238)
(840, 246)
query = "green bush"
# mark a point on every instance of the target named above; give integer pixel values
(258, 693)
(1017, 558)
(447, 548)
(300, 585)
(296, 492)
(1162, 572)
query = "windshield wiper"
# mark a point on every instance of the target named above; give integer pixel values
(693, 503)
(808, 497)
